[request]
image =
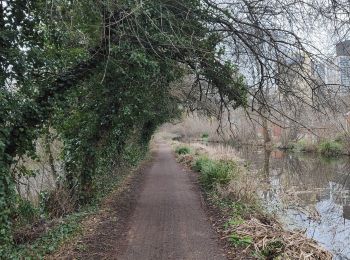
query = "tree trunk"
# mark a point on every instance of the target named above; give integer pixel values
(266, 133)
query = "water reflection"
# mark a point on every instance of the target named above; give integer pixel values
(346, 212)
(308, 192)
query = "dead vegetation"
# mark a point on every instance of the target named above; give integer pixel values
(195, 127)
(59, 202)
(103, 232)
(271, 240)
(28, 233)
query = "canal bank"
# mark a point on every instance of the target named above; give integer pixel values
(309, 193)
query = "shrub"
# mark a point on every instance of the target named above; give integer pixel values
(344, 140)
(304, 146)
(330, 148)
(289, 146)
(26, 211)
(134, 153)
(182, 150)
(214, 172)
(57, 202)
(200, 163)
(205, 135)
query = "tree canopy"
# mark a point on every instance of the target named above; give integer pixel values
(99, 73)
(103, 72)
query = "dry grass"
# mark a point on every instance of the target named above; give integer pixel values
(193, 127)
(59, 202)
(217, 152)
(272, 240)
(291, 199)
(186, 159)
(241, 189)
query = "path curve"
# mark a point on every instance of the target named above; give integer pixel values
(169, 221)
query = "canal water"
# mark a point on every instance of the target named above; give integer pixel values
(307, 192)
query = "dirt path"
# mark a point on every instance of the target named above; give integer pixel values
(155, 214)
(168, 221)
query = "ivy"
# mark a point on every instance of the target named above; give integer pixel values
(100, 74)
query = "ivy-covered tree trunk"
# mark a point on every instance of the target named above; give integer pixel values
(7, 193)
(86, 177)
(100, 70)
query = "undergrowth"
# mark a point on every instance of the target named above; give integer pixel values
(182, 150)
(330, 148)
(248, 229)
(304, 146)
(54, 238)
(327, 148)
(214, 172)
(61, 227)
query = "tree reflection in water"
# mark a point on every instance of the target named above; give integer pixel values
(319, 184)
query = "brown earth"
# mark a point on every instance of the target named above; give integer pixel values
(160, 215)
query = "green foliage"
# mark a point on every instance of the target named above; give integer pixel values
(133, 154)
(273, 249)
(240, 241)
(214, 172)
(7, 198)
(201, 162)
(236, 212)
(330, 148)
(103, 81)
(51, 240)
(26, 212)
(70, 225)
(236, 209)
(234, 222)
(182, 150)
(205, 135)
(290, 146)
(304, 146)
